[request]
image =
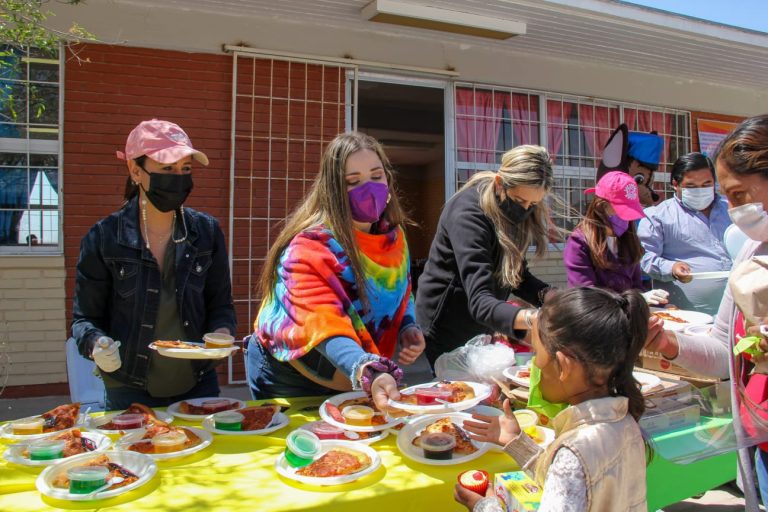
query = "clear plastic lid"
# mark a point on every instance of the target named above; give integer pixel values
(228, 417)
(438, 442)
(88, 473)
(303, 443)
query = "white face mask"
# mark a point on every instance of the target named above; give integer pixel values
(752, 220)
(698, 198)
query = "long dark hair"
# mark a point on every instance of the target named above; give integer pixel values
(131, 189)
(594, 225)
(687, 163)
(327, 203)
(745, 150)
(603, 330)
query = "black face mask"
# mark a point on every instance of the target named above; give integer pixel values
(513, 211)
(167, 192)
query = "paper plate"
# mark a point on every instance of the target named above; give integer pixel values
(200, 353)
(279, 421)
(511, 374)
(689, 317)
(482, 391)
(711, 275)
(174, 408)
(698, 330)
(288, 471)
(546, 434)
(410, 431)
(15, 453)
(648, 382)
(141, 465)
(205, 440)
(352, 395)
(375, 436)
(93, 423)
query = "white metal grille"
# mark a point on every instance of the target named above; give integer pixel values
(284, 113)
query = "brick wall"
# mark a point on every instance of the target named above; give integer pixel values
(32, 321)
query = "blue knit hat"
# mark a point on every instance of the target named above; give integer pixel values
(645, 148)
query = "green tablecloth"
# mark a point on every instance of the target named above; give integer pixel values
(238, 473)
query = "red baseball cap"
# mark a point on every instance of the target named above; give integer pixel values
(620, 190)
(163, 141)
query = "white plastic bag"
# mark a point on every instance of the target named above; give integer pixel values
(479, 360)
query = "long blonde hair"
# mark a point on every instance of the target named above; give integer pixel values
(527, 166)
(327, 204)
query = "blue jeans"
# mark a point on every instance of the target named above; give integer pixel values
(270, 378)
(120, 398)
(761, 468)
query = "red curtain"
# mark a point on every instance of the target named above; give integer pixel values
(558, 114)
(478, 121)
(524, 117)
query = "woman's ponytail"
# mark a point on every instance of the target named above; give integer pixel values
(623, 382)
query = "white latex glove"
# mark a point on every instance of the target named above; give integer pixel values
(106, 354)
(656, 297)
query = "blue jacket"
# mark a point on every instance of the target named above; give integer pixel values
(117, 290)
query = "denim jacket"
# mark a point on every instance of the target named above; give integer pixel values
(117, 290)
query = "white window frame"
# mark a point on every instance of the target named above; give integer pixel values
(43, 147)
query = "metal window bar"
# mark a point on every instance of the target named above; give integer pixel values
(284, 111)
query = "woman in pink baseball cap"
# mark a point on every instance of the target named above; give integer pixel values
(154, 270)
(604, 250)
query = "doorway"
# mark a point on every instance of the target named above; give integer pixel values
(409, 121)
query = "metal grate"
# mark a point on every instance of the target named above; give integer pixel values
(284, 113)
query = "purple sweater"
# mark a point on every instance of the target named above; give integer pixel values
(581, 271)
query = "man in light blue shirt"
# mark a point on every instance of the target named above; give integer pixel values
(684, 235)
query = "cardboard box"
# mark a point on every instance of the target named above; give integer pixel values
(655, 361)
(517, 492)
(670, 388)
(698, 382)
(666, 414)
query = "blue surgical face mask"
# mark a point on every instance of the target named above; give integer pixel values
(698, 198)
(619, 225)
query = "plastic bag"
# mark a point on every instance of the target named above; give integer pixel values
(479, 360)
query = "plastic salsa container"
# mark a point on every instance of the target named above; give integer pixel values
(358, 415)
(301, 447)
(28, 426)
(128, 421)
(430, 396)
(218, 340)
(83, 480)
(47, 449)
(228, 420)
(438, 446)
(169, 442)
(215, 405)
(325, 431)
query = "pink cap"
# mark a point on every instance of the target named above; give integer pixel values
(619, 189)
(163, 141)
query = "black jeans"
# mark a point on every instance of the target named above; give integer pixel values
(270, 378)
(118, 399)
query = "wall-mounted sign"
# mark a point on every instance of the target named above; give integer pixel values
(711, 133)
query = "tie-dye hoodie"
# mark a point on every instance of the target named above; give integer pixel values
(315, 297)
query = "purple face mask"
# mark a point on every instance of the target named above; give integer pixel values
(368, 201)
(619, 225)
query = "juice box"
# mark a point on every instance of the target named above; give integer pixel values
(517, 492)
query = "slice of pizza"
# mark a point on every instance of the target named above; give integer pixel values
(62, 482)
(175, 344)
(460, 391)
(464, 445)
(258, 417)
(61, 417)
(201, 410)
(336, 462)
(149, 415)
(75, 443)
(667, 316)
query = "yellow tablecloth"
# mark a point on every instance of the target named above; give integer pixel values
(237, 473)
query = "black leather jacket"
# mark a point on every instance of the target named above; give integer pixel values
(117, 291)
